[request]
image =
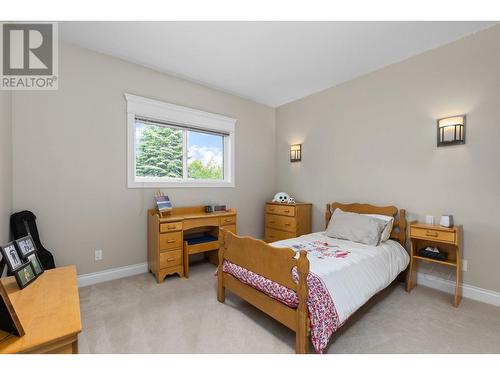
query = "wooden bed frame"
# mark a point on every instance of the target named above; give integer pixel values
(276, 264)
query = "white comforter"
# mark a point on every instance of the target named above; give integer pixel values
(353, 279)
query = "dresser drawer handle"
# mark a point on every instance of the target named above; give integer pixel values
(227, 220)
(286, 211)
(432, 234)
(170, 241)
(288, 224)
(271, 209)
(170, 259)
(171, 227)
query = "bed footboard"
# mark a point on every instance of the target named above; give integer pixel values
(275, 264)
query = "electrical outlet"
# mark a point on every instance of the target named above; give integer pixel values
(465, 265)
(98, 255)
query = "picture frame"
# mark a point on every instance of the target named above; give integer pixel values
(9, 321)
(25, 275)
(11, 256)
(25, 246)
(35, 263)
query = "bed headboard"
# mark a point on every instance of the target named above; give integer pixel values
(399, 228)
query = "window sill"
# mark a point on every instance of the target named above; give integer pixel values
(180, 184)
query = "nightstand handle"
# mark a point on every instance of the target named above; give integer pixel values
(170, 241)
(286, 211)
(431, 234)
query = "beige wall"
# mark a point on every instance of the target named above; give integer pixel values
(373, 140)
(70, 158)
(369, 140)
(5, 165)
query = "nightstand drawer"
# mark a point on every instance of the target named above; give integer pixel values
(280, 210)
(227, 220)
(281, 222)
(432, 234)
(273, 235)
(170, 258)
(170, 227)
(170, 240)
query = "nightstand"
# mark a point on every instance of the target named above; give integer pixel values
(447, 240)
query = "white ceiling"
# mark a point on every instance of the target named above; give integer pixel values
(269, 62)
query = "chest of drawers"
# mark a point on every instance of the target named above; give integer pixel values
(284, 221)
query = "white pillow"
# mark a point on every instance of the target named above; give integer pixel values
(355, 227)
(389, 220)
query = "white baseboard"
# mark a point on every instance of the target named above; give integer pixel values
(425, 279)
(111, 274)
(468, 291)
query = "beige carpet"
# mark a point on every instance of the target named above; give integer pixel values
(137, 315)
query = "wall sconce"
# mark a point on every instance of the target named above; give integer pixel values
(295, 153)
(451, 131)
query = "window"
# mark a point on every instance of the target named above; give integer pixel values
(173, 146)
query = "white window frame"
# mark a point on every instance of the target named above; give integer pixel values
(138, 106)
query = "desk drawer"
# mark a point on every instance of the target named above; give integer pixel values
(201, 222)
(273, 235)
(280, 210)
(170, 227)
(281, 222)
(170, 240)
(226, 220)
(230, 228)
(431, 234)
(170, 258)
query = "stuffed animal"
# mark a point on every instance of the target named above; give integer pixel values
(283, 197)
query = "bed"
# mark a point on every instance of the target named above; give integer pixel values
(312, 284)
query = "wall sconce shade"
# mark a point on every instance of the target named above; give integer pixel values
(295, 153)
(451, 131)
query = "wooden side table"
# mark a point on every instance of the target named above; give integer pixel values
(447, 240)
(49, 311)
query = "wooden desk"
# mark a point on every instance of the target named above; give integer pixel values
(49, 310)
(166, 235)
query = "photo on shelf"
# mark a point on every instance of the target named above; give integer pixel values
(35, 262)
(25, 275)
(11, 256)
(26, 246)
